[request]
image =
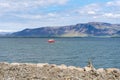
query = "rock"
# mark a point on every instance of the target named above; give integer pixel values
(53, 65)
(87, 69)
(80, 69)
(42, 64)
(101, 70)
(41, 71)
(62, 66)
(15, 64)
(109, 70)
(72, 67)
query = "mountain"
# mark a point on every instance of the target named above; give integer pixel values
(4, 34)
(118, 32)
(79, 30)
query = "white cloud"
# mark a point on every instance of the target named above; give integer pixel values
(111, 15)
(17, 16)
(91, 12)
(60, 2)
(29, 3)
(52, 14)
(4, 5)
(107, 10)
(36, 16)
(113, 3)
(7, 30)
(28, 16)
(18, 5)
(91, 9)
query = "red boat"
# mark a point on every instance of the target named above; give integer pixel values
(51, 41)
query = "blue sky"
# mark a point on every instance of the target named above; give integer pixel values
(16, 15)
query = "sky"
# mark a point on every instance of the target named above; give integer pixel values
(17, 15)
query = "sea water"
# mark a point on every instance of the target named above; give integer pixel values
(104, 52)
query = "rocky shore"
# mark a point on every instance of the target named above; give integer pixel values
(29, 71)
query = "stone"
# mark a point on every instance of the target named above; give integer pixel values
(45, 71)
(101, 70)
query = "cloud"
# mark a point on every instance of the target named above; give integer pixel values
(21, 5)
(28, 16)
(30, 3)
(113, 3)
(7, 31)
(101, 10)
(36, 16)
(111, 15)
(21, 14)
(91, 9)
(4, 5)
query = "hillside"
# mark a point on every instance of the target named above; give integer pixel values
(79, 30)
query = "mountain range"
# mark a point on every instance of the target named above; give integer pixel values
(90, 29)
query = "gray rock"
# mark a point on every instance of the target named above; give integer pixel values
(41, 71)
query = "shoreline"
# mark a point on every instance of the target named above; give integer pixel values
(45, 71)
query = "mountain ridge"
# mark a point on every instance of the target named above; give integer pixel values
(89, 29)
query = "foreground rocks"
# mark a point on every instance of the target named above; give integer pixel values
(25, 71)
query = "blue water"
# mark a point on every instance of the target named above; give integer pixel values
(104, 52)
